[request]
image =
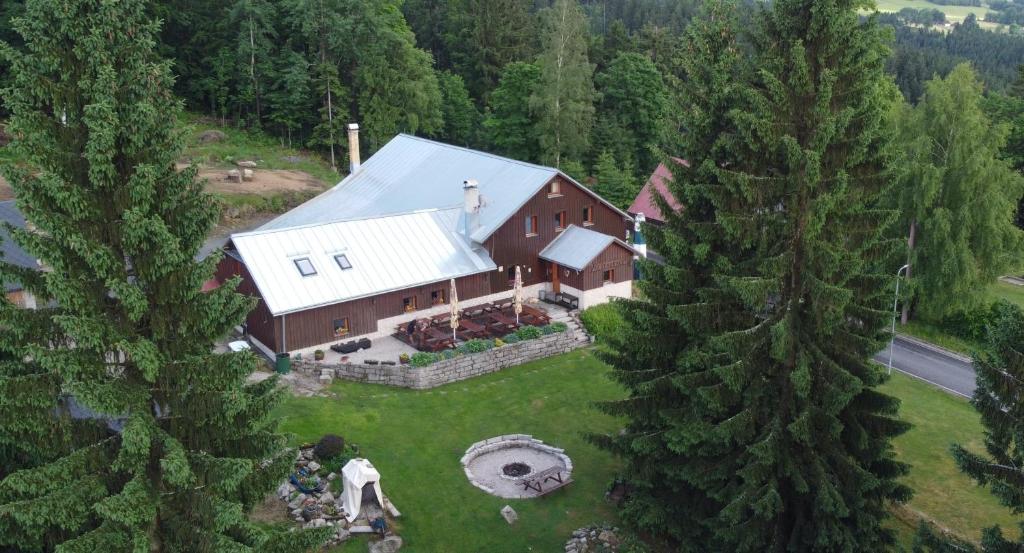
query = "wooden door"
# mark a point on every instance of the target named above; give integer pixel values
(556, 287)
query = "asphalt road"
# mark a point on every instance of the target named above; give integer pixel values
(954, 374)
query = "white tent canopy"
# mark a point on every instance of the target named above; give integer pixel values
(356, 474)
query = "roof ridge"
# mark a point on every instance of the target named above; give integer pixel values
(481, 153)
(257, 231)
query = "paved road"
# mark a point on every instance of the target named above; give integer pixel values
(954, 374)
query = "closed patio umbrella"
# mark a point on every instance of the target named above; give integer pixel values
(517, 294)
(453, 303)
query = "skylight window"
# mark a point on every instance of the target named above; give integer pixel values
(343, 261)
(305, 266)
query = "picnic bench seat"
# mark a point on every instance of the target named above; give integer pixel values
(546, 481)
(567, 301)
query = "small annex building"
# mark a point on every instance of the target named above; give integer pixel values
(382, 246)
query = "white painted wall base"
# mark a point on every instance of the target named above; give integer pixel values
(605, 293)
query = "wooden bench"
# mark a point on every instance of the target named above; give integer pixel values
(546, 481)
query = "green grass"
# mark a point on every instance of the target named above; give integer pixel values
(941, 492)
(933, 334)
(242, 144)
(1005, 291)
(953, 13)
(416, 438)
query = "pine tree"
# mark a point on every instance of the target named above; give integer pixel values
(288, 101)
(483, 36)
(564, 100)
(615, 184)
(461, 119)
(119, 227)
(957, 199)
(1000, 370)
(755, 424)
(509, 123)
(254, 21)
(633, 112)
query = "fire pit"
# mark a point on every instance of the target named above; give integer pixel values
(500, 465)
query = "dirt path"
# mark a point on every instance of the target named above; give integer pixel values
(264, 181)
(5, 190)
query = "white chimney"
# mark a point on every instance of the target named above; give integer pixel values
(353, 147)
(471, 205)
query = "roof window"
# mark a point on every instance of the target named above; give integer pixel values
(343, 261)
(305, 266)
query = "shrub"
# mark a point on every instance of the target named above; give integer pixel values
(512, 338)
(331, 445)
(422, 359)
(448, 354)
(601, 320)
(403, 358)
(558, 326)
(973, 324)
(529, 333)
(498, 342)
(318, 355)
(476, 346)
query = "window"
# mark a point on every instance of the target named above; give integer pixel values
(343, 261)
(409, 304)
(511, 273)
(561, 219)
(608, 276)
(588, 215)
(554, 188)
(340, 327)
(437, 297)
(531, 225)
(305, 266)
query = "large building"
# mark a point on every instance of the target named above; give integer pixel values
(382, 246)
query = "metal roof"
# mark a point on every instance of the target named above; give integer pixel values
(387, 253)
(575, 247)
(10, 252)
(411, 173)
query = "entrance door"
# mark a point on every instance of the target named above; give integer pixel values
(556, 287)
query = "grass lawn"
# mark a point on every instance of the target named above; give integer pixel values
(1005, 291)
(416, 438)
(933, 334)
(941, 492)
(953, 13)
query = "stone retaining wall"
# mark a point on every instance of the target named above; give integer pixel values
(448, 370)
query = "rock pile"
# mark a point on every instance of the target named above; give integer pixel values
(316, 507)
(594, 539)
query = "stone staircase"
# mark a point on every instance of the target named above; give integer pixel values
(572, 320)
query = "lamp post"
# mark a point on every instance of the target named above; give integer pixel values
(895, 301)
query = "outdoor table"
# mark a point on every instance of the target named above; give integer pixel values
(504, 321)
(471, 326)
(441, 338)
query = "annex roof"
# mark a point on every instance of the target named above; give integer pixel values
(411, 173)
(575, 247)
(384, 253)
(9, 251)
(656, 184)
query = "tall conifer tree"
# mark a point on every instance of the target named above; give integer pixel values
(118, 228)
(763, 416)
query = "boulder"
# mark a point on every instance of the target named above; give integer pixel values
(246, 164)
(247, 174)
(342, 534)
(609, 538)
(210, 136)
(332, 476)
(284, 490)
(509, 514)
(297, 501)
(390, 544)
(313, 466)
(234, 174)
(327, 498)
(319, 522)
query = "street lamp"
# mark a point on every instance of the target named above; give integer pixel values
(895, 301)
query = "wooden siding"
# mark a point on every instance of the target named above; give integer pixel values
(259, 322)
(614, 257)
(510, 246)
(316, 326)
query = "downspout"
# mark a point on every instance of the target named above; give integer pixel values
(284, 334)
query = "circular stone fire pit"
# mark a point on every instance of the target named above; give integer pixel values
(499, 465)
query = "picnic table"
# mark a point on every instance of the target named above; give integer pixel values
(501, 320)
(438, 338)
(546, 481)
(473, 330)
(535, 316)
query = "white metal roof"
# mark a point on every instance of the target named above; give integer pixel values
(411, 173)
(575, 247)
(386, 253)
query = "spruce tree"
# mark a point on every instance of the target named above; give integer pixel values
(510, 124)
(1000, 372)
(461, 118)
(614, 183)
(753, 400)
(118, 228)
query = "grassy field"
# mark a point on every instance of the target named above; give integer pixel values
(1005, 291)
(953, 13)
(941, 493)
(415, 439)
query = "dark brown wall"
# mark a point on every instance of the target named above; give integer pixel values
(510, 246)
(316, 326)
(614, 257)
(260, 323)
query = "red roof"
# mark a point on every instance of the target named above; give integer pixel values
(645, 203)
(211, 284)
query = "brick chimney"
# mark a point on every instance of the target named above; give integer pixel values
(353, 147)
(471, 205)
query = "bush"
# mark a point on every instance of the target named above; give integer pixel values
(559, 326)
(477, 346)
(529, 333)
(447, 354)
(973, 324)
(498, 342)
(331, 445)
(547, 330)
(422, 359)
(512, 339)
(602, 320)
